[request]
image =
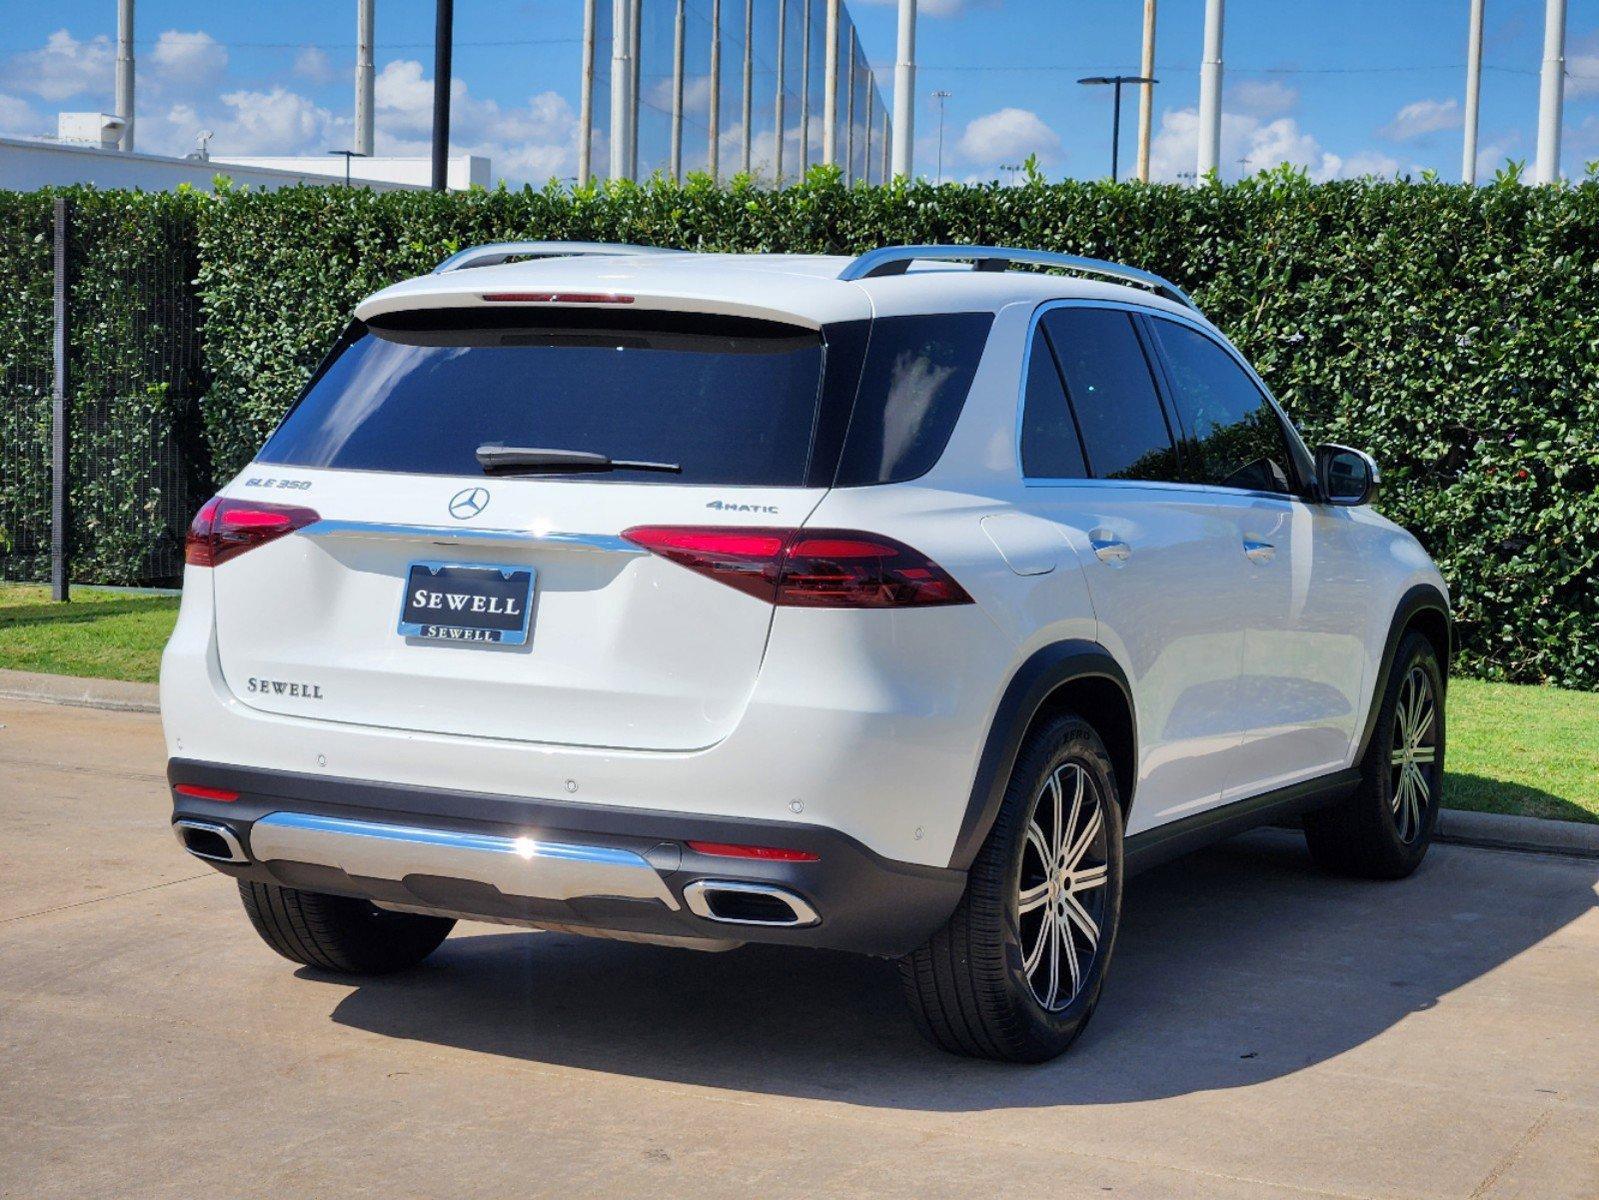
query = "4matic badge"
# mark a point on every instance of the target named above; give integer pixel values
(720, 506)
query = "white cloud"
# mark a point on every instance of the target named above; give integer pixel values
(313, 63)
(1421, 118)
(1260, 144)
(1009, 135)
(65, 67)
(187, 61)
(1262, 97)
(17, 117)
(247, 122)
(528, 142)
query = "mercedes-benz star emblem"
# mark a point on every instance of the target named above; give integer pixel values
(468, 502)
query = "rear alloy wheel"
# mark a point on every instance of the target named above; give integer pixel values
(1060, 899)
(1017, 970)
(1383, 829)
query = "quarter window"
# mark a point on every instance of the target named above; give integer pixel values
(1237, 435)
(1119, 415)
(1050, 447)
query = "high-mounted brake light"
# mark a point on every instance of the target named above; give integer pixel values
(556, 298)
(767, 853)
(806, 568)
(225, 528)
(206, 793)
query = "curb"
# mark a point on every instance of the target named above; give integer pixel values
(1501, 831)
(114, 694)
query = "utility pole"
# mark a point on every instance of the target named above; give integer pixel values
(1116, 82)
(1551, 93)
(125, 73)
(621, 80)
(748, 112)
(1468, 150)
(830, 88)
(778, 114)
(805, 93)
(905, 90)
(941, 95)
(443, 37)
(585, 112)
(1209, 157)
(363, 77)
(677, 96)
(1146, 92)
(713, 116)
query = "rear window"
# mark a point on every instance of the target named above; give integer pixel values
(733, 401)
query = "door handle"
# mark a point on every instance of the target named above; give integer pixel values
(1109, 548)
(1258, 551)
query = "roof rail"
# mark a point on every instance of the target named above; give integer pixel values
(495, 253)
(895, 260)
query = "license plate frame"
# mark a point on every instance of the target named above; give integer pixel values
(496, 626)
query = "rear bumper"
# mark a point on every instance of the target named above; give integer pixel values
(546, 862)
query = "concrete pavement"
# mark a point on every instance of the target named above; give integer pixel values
(1267, 1031)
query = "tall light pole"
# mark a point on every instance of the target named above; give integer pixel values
(1209, 156)
(1551, 93)
(1116, 82)
(363, 77)
(1146, 93)
(1468, 149)
(941, 95)
(905, 90)
(443, 36)
(125, 73)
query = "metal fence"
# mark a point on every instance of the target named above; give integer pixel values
(102, 462)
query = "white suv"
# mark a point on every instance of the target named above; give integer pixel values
(902, 604)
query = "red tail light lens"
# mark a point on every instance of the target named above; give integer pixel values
(806, 568)
(206, 793)
(225, 529)
(767, 853)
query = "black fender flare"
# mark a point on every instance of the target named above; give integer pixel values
(1422, 597)
(1034, 681)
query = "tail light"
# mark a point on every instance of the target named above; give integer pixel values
(806, 568)
(225, 528)
(766, 853)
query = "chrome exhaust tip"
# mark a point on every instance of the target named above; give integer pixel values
(210, 841)
(731, 902)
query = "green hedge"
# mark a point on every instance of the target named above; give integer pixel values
(1451, 331)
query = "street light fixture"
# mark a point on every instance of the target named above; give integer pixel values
(348, 155)
(1116, 81)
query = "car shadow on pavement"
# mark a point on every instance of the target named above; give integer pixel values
(1236, 965)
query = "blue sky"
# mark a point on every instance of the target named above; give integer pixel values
(1343, 87)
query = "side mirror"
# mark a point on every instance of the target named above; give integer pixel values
(1345, 476)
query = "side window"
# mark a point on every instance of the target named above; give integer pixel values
(1238, 437)
(1124, 430)
(1050, 449)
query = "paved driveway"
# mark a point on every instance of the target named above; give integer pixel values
(1267, 1031)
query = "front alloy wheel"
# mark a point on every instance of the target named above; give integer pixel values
(1414, 758)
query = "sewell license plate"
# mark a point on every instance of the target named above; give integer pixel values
(455, 602)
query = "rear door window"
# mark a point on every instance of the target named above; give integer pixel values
(1125, 434)
(1237, 436)
(731, 400)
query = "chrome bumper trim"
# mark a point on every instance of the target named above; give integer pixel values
(520, 867)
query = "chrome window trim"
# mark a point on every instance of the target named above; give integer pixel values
(1140, 310)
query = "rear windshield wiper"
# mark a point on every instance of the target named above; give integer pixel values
(496, 458)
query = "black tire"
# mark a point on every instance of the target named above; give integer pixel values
(337, 933)
(1383, 830)
(970, 989)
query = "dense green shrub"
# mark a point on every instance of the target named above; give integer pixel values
(1451, 331)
